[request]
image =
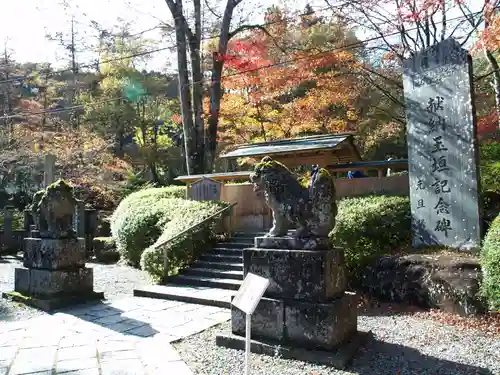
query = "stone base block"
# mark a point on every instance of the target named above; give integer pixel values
(268, 319)
(338, 358)
(304, 324)
(49, 304)
(34, 233)
(53, 254)
(312, 275)
(292, 243)
(46, 282)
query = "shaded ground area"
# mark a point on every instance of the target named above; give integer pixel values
(403, 344)
(113, 279)
(126, 336)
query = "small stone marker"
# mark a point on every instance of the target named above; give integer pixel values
(246, 299)
(8, 223)
(49, 170)
(442, 147)
(206, 189)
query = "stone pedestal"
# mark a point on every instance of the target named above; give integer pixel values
(53, 273)
(293, 243)
(305, 309)
(53, 254)
(311, 275)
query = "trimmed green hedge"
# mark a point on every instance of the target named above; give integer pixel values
(188, 247)
(151, 215)
(490, 265)
(140, 218)
(369, 227)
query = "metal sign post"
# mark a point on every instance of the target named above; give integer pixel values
(246, 299)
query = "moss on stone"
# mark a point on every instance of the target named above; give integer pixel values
(267, 162)
(19, 296)
(323, 173)
(59, 185)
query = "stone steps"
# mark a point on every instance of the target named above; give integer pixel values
(227, 251)
(219, 265)
(214, 273)
(222, 258)
(198, 295)
(214, 282)
(211, 280)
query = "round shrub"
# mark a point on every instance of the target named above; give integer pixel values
(490, 265)
(183, 250)
(139, 220)
(369, 227)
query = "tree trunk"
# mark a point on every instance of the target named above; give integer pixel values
(213, 117)
(197, 79)
(216, 86)
(154, 173)
(185, 99)
(496, 79)
(200, 148)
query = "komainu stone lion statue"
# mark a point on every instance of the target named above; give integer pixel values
(311, 210)
(53, 209)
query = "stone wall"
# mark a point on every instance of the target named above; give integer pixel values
(448, 282)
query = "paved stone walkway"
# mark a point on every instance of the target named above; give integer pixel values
(120, 337)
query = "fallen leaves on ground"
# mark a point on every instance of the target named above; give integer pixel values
(488, 323)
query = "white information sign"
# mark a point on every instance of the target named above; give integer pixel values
(251, 291)
(246, 299)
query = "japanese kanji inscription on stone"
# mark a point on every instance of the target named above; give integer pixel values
(442, 148)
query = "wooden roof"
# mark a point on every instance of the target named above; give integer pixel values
(229, 176)
(319, 149)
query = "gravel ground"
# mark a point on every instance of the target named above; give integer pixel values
(403, 344)
(115, 280)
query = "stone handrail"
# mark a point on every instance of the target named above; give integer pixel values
(222, 211)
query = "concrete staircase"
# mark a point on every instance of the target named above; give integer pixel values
(211, 280)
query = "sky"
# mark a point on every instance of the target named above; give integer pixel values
(26, 22)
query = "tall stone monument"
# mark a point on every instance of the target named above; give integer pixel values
(54, 273)
(442, 148)
(306, 307)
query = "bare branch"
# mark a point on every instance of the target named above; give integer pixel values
(211, 10)
(259, 27)
(384, 91)
(393, 81)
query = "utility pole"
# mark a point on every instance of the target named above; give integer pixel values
(7, 94)
(74, 69)
(45, 101)
(7, 77)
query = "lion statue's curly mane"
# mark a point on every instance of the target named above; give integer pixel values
(311, 210)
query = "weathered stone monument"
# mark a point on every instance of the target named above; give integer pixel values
(54, 273)
(306, 312)
(442, 148)
(8, 223)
